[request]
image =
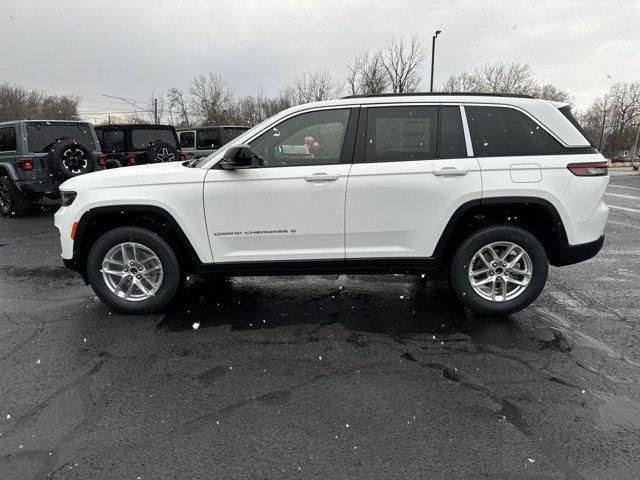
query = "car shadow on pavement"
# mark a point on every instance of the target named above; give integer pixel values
(388, 304)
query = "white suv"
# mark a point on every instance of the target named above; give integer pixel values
(486, 190)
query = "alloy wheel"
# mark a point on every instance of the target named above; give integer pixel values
(132, 271)
(500, 271)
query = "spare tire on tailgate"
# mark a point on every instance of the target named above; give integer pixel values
(68, 158)
(160, 152)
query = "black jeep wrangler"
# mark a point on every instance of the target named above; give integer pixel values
(132, 144)
(36, 156)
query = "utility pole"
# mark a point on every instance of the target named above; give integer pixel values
(604, 118)
(155, 110)
(634, 152)
(109, 119)
(433, 55)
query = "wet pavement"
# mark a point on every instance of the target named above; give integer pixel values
(320, 377)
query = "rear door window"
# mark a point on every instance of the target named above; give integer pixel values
(113, 141)
(141, 138)
(396, 134)
(503, 131)
(8, 139)
(40, 136)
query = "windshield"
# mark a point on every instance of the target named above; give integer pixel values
(143, 137)
(41, 136)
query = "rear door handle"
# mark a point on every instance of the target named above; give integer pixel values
(450, 172)
(321, 177)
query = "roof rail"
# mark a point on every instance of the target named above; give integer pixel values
(420, 94)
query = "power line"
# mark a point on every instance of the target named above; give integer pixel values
(89, 98)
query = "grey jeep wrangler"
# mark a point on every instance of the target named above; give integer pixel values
(36, 156)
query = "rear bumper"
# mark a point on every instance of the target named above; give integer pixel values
(570, 254)
(47, 188)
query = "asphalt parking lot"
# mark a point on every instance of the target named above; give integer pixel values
(320, 377)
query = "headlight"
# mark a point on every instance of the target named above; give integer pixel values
(68, 198)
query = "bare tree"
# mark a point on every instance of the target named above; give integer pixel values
(178, 104)
(549, 92)
(211, 100)
(612, 120)
(17, 102)
(402, 61)
(313, 86)
(463, 82)
(499, 77)
(596, 120)
(367, 75)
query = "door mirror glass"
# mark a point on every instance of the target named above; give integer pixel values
(238, 156)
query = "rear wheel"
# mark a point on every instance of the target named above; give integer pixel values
(133, 270)
(13, 203)
(499, 270)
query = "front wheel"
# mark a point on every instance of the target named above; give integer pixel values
(499, 270)
(133, 270)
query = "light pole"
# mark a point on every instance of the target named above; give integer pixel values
(433, 55)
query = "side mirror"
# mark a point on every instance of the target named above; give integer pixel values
(236, 157)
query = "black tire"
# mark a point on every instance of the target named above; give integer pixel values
(68, 159)
(459, 269)
(13, 203)
(170, 265)
(161, 152)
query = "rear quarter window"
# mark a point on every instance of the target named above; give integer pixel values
(208, 139)
(503, 131)
(40, 136)
(143, 137)
(187, 139)
(113, 141)
(566, 111)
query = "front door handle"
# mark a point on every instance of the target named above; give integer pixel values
(321, 177)
(450, 172)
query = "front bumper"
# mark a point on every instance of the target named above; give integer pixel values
(570, 254)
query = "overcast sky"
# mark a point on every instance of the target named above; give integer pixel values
(134, 47)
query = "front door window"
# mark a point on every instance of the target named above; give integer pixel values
(314, 138)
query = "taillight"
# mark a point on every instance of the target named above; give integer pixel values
(25, 164)
(181, 156)
(131, 158)
(597, 169)
(102, 160)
